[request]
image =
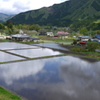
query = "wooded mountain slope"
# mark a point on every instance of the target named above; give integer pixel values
(62, 14)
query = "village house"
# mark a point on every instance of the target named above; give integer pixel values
(20, 37)
(2, 37)
(34, 31)
(50, 34)
(83, 38)
(24, 38)
(34, 39)
(96, 39)
(63, 35)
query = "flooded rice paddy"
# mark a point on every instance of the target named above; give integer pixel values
(57, 78)
(52, 45)
(32, 53)
(11, 51)
(8, 57)
(13, 45)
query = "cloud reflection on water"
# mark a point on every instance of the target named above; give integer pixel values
(14, 71)
(58, 78)
(32, 53)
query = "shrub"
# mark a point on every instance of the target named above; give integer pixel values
(89, 40)
(76, 49)
(91, 46)
(74, 42)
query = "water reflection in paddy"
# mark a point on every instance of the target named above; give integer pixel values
(52, 45)
(8, 57)
(13, 45)
(32, 53)
(59, 78)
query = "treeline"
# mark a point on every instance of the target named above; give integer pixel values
(85, 27)
(9, 28)
(89, 24)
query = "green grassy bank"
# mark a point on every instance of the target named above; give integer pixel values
(6, 95)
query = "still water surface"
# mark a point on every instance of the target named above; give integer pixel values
(32, 53)
(8, 57)
(52, 45)
(58, 78)
(13, 45)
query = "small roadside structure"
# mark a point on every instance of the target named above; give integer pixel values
(42, 32)
(34, 31)
(21, 31)
(34, 39)
(55, 35)
(82, 42)
(50, 34)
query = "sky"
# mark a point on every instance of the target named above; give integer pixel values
(17, 6)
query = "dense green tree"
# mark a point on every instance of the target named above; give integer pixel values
(42, 31)
(92, 46)
(9, 24)
(74, 42)
(97, 31)
(34, 27)
(19, 26)
(2, 26)
(25, 26)
(83, 30)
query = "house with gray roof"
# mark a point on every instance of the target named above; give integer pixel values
(24, 38)
(84, 38)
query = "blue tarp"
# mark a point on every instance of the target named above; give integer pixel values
(96, 41)
(98, 37)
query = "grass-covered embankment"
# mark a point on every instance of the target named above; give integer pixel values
(6, 95)
(4, 40)
(88, 50)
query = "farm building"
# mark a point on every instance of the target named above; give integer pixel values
(24, 38)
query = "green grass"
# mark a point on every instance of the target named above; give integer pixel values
(98, 21)
(56, 40)
(3, 40)
(95, 55)
(6, 95)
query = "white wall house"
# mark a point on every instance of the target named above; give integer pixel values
(84, 38)
(50, 34)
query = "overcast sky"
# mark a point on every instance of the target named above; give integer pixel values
(17, 6)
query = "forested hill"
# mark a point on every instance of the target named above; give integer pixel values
(62, 14)
(4, 17)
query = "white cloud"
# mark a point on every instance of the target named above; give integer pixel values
(17, 6)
